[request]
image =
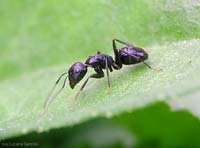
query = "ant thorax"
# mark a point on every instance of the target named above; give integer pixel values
(99, 60)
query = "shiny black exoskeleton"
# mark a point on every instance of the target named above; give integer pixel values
(127, 55)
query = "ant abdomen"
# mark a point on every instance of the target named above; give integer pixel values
(132, 55)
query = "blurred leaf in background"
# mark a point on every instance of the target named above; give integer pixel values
(154, 126)
(40, 39)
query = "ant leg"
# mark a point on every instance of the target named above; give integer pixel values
(108, 77)
(122, 42)
(117, 64)
(147, 65)
(49, 100)
(127, 44)
(97, 75)
(155, 69)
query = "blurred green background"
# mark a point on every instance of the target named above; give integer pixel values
(39, 34)
(34, 34)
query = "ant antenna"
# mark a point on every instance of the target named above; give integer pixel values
(49, 99)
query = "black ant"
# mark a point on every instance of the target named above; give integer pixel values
(127, 55)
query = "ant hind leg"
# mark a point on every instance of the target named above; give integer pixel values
(117, 64)
(127, 44)
(155, 69)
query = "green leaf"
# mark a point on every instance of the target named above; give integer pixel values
(34, 35)
(153, 126)
(40, 40)
(132, 87)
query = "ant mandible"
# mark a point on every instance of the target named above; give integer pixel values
(127, 55)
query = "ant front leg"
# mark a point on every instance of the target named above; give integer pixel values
(97, 75)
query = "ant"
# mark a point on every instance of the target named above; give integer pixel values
(127, 55)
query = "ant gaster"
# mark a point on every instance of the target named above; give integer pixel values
(127, 55)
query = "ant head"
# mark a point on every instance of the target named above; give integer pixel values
(76, 73)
